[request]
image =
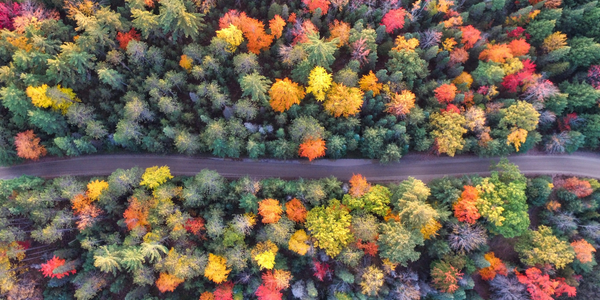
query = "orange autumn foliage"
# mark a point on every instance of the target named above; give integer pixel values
(401, 104)
(136, 214)
(458, 56)
(312, 149)
(470, 36)
(496, 267)
(186, 62)
(277, 279)
(207, 296)
(445, 93)
(370, 248)
(125, 38)
(270, 210)
(583, 250)
(276, 25)
(465, 209)
(314, 4)
(285, 93)
(496, 53)
(295, 211)
(370, 82)
(581, 188)
(253, 29)
(341, 31)
(167, 282)
(28, 145)
(358, 186)
(519, 47)
(79, 203)
(195, 225)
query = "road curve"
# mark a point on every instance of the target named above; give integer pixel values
(419, 166)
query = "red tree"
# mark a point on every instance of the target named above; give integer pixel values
(195, 225)
(445, 93)
(265, 293)
(541, 287)
(51, 265)
(28, 145)
(470, 36)
(314, 4)
(224, 291)
(322, 270)
(125, 38)
(369, 248)
(8, 11)
(394, 19)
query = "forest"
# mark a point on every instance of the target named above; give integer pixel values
(145, 234)
(286, 79)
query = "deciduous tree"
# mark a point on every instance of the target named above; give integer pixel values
(153, 177)
(343, 101)
(319, 82)
(28, 145)
(285, 93)
(216, 270)
(394, 19)
(270, 210)
(312, 148)
(330, 226)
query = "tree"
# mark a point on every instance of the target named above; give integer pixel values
(581, 188)
(470, 36)
(295, 210)
(496, 267)
(358, 186)
(216, 269)
(398, 244)
(542, 247)
(125, 38)
(343, 101)
(232, 35)
(445, 276)
(95, 189)
(276, 26)
(520, 115)
(369, 83)
(153, 177)
(50, 268)
(465, 209)
(297, 242)
(340, 31)
(517, 137)
(136, 214)
(445, 93)
(375, 201)
(270, 210)
(448, 130)
(265, 293)
(519, 47)
(174, 19)
(394, 19)
(107, 260)
(313, 148)
(285, 93)
(465, 238)
(319, 82)
(372, 281)
(330, 226)
(583, 251)
(312, 5)
(28, 145)
(496, 53)
(401, 104)
(167, 282)
(255, 85)
(319, 52)
(264, 254)
(541, 287)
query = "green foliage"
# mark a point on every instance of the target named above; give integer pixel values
(542, 247)
(398, 244)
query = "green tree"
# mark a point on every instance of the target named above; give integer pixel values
(175, 19)
(320, 52)
(107, 260)
(409, 65)
(256, 86)
(488, 73)
(582, 96)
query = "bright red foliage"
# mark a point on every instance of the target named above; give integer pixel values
(8, 11)
(564, 124)
(451, 108)
(51, 265)
(541, 287)
(314, 4)
(265, 293)
(445, 93)
(322, 270)
(125, 38)
(393, 20)
(369, 248)
(224, 291)
(516, 32)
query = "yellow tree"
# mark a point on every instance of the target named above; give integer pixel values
(58, 98)
(264, 254)
(517, 137)
(448, 130)
(232, 35)
(95, 189)
(186, 62)
(216, 269)
(319, 82)
(369, 82)
(155, 176)
(285, 93)
(343, 101)
(297, 242)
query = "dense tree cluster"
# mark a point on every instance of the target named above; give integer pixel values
(144, 234)
(235, 78)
